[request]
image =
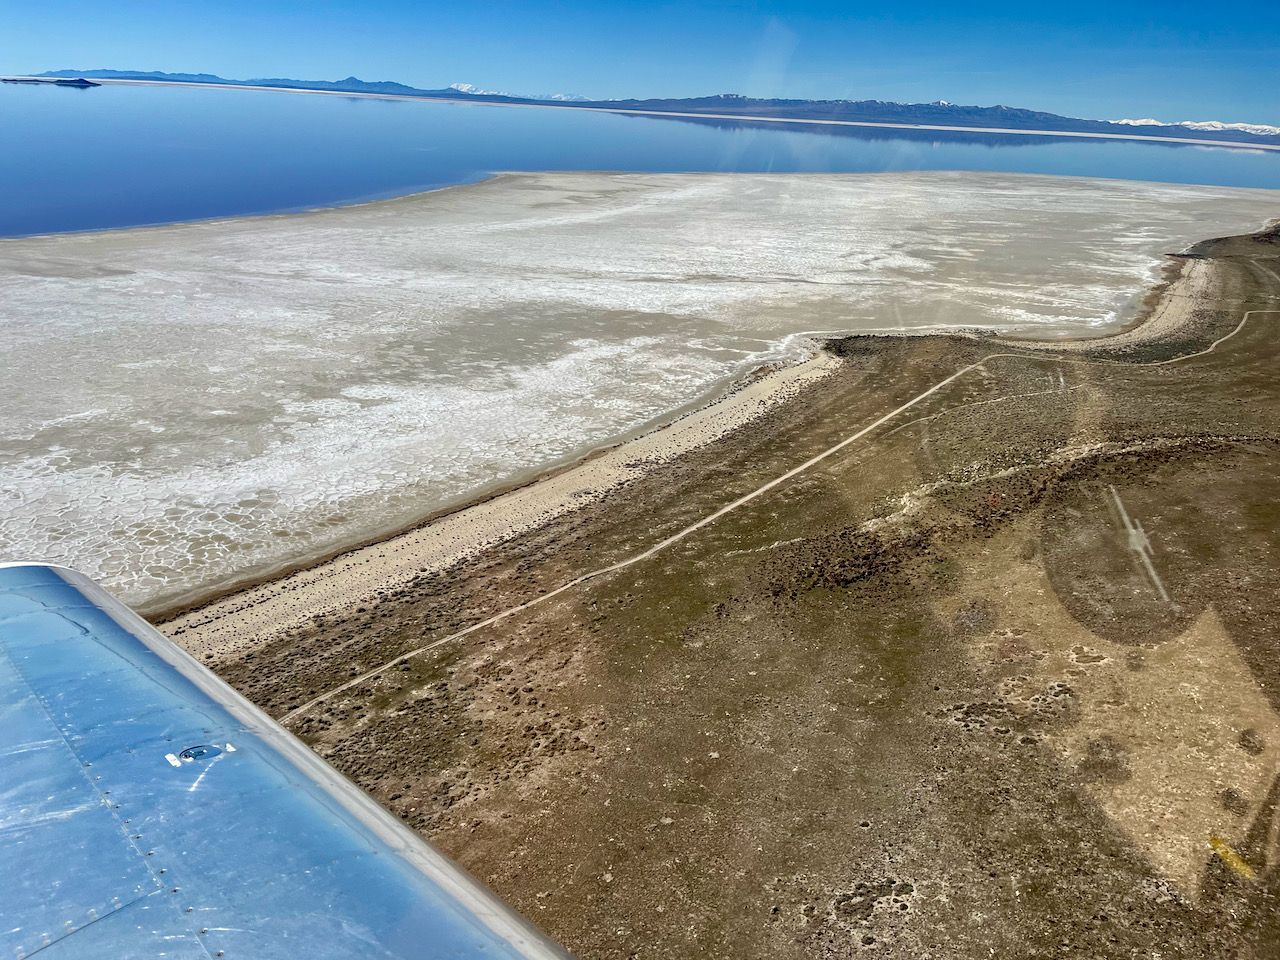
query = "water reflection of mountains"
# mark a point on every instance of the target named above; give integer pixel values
(907, 134)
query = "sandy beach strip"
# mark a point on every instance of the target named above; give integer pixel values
(228, 625)
(1168, 311)
(1191, 288)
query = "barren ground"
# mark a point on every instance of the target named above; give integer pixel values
(999, 680)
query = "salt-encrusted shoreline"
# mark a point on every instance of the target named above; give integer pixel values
(244, 617)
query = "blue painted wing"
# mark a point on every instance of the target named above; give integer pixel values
(148, 810)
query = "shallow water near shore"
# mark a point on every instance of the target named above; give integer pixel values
(189, 406)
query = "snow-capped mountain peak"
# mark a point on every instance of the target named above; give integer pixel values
(471, 90)
(1260, 129)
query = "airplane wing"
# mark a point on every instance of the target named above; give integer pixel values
(148, 810)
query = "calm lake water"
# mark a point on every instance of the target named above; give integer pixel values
(122, 156)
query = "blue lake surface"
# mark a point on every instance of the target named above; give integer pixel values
(119, 156)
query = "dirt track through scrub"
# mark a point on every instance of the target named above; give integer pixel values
(741, 501)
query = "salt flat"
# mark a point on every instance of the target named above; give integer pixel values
(185, 406)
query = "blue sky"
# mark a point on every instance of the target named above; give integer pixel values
(1173, 60)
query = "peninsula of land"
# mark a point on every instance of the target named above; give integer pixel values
(956, 645)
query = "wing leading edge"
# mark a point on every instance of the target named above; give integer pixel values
(148, 810)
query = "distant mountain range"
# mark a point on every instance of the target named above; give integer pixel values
(938, 113)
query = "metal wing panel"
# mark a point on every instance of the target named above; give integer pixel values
(163, 779)
(51, 814)
(147, 928)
